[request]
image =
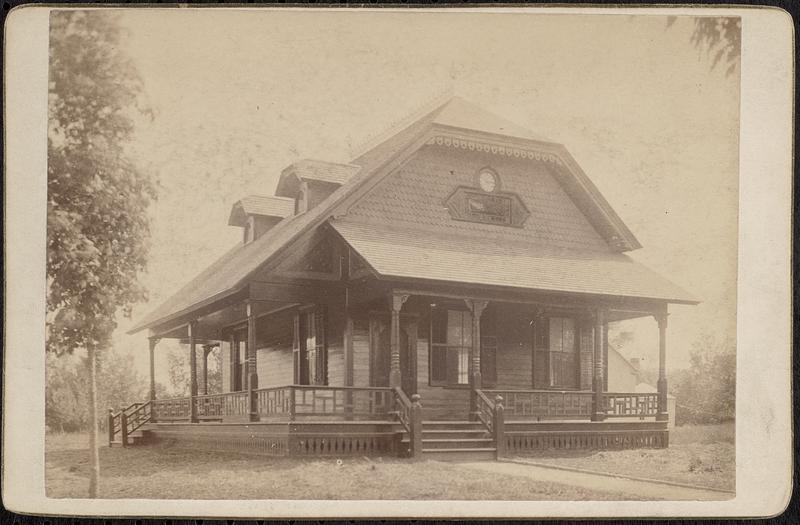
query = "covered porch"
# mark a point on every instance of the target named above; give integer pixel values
(373, 368)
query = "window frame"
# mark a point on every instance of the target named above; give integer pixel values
(310, 364)
(464, 351)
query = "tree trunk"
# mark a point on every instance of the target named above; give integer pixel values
(94, 453)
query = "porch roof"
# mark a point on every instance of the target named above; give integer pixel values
(426, 254)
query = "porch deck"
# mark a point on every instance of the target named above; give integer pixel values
(336, 421)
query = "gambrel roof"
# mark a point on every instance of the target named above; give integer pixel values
(455, 123)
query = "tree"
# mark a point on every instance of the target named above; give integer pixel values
(66, 403)
(706, 391)
(720, 35)
(97, 226)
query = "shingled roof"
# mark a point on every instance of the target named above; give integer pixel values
(264, 205)
(313, 170)
(230, 272)
(494, 261)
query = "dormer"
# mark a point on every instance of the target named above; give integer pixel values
(257, 214)
(308, 182)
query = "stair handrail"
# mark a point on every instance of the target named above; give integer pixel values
(403, 408)
(142, 414)
(486, 409)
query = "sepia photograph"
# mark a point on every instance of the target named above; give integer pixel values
(453, 255)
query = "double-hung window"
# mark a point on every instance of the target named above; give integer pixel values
(310, 349)
(451, 341)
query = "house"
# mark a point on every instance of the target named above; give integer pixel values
(624, 375)
(445, 294)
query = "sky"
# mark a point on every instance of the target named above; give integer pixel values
(238, 95)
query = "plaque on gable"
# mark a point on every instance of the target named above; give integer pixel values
(475, 205)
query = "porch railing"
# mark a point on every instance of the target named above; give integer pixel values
(545, 403)
(305, 401)
(630, 404)
(173, 409)
(217, 406)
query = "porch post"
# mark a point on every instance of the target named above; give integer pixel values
(153, 341)
(661, 318)
(252, 374)
(153, 415)
(395, 376)
(192, 371)
(206, 350)
(475, 378)
(598, 412)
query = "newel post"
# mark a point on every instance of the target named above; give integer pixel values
(110, 426)
(123, 426)
(193, 371)
(663, 414)
(395, 376)
(415, 425)
(499, 427)
(252, 374)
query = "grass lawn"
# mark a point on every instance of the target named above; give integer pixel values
(159, 471)
(698, 455)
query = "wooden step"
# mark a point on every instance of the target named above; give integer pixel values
(454, 434)
(459, 454)
(457, 443)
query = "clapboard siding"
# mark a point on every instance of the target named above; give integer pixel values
(336, 364)
(360, 353)
(438, 402)
(275, 366)
(586, 354)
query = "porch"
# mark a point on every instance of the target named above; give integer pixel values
(303, 420)
(461, 372)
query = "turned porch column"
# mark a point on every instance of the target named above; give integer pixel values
(475, 378)
(598, 407)
(206, 350)
(153, 341)
(252, 373)
(395, 375)
(662, 414)
(192, 371)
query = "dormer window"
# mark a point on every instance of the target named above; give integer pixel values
(257, 214)
(301, 201)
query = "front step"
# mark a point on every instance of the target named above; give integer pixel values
(459, 454)
(134, 438)
(456, 441)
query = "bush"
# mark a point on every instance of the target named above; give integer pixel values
(706, 391)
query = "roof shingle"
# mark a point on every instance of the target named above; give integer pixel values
(493, 261)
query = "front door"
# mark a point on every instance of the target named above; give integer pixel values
(381, 351)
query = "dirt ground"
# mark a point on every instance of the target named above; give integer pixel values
(703, 455)
(164, 472)
(697, 455)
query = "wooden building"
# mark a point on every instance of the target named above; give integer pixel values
(445, 294)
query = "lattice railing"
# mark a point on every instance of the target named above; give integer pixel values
(174, 409)
(297, 401)
(630, 404)
(545, 403)
(218, 406)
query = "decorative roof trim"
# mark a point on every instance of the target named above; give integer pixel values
(497, 149)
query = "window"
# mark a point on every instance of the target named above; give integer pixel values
(558, 335)
(239, 361)
(310, 350)
(451, 341)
